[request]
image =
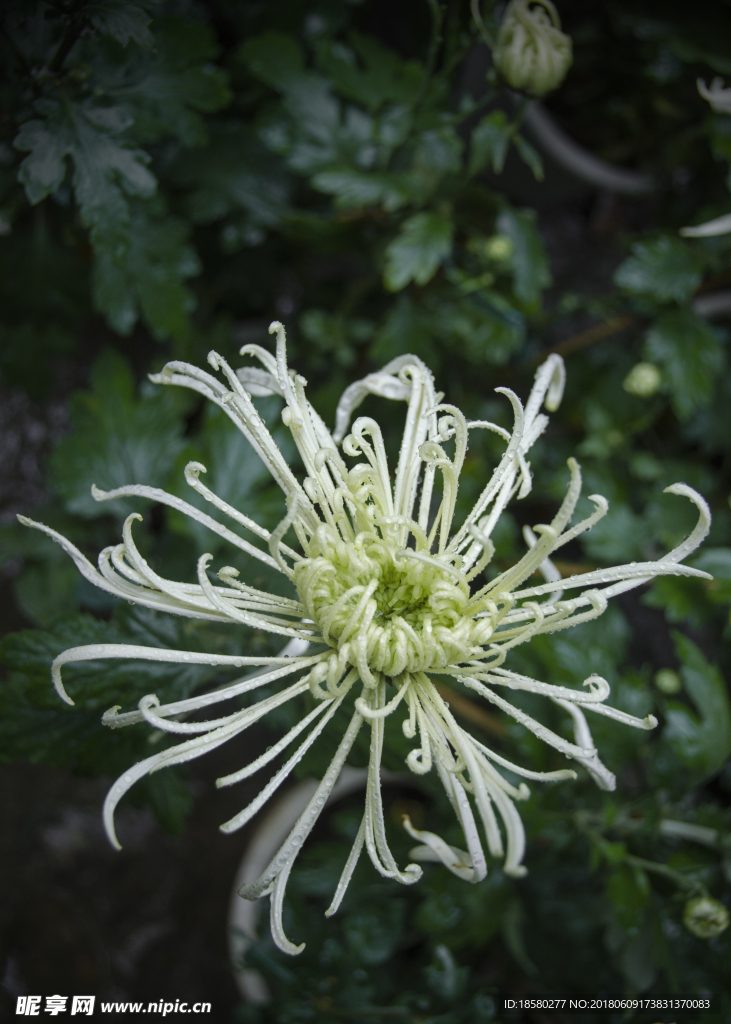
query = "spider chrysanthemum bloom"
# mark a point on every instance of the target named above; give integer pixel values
(388, 594)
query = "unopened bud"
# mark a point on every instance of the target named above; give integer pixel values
(499, 248)
(705, 917)
(668, 681)
(532, 53)
(643, 380)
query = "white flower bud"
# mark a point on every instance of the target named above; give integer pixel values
(705, 917)
(532, 52)
(643, 380)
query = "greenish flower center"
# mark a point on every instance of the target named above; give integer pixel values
(386, 607)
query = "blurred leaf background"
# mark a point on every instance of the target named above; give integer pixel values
(173, 176)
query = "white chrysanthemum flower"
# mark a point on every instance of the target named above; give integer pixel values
(387, 593)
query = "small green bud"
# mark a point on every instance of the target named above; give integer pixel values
(499, 248)
(532, 53)
(668, 681)
(705, 917)
(643, 380)
(80, 73)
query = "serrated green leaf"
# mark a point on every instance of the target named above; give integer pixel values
(165, 92)
(369, 73)
(490, 142)
(354, 188)
(36, 725)
(116, 439)
(701, 741)
(689, 352)
(417, 251)
(529, 261)
(666, 269)
(43, 171)
(105, 168)
(122, 20)
(148, 278)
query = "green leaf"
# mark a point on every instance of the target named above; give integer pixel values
(530, 156)
(619, 536)
(36, 725)
(170, 798)
(165, 92)
(233, 471)
(334, 336)
(417, 251)
(43, 171)
(233, 173)
(274, 58)
(122, 20)
(353, 188)
(438, 152)
(116, 439)
(680, 599)
(106, 169)
(148, 277)
(490, 142)
(666, 269)
(369, 73)
(703, 741)
(530, 264)
(629, 890)
(373, 932)
(689, 352)
(485, 328)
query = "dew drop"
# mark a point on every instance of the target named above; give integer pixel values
(633, 564)
(130, 602)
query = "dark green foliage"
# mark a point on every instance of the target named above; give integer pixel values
(175, 176)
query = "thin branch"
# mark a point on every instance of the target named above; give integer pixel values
(482, 27)
(435, 41)
(589, 337)
(70, 37)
